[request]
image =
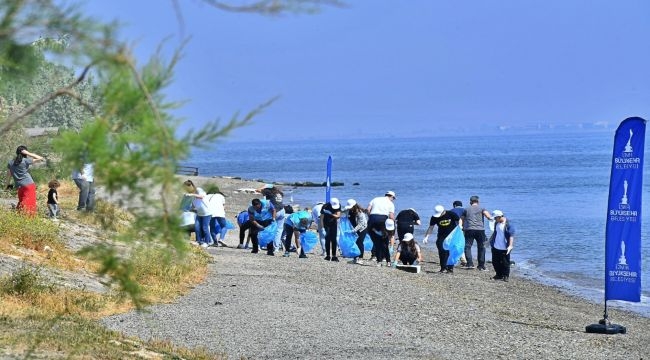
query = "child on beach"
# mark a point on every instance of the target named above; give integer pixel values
(408, 251)
(53, 199)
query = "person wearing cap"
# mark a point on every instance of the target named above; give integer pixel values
(474, 229)
(457, 207)
(502, 242)
(446, 222)
(294, 225)
(329, 220)
(380, 209)
(358, 219)
(275, 196)
(408, 251)
(406, 221)
(315, 215)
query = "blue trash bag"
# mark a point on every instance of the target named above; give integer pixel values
(267, 235)
(455, 243)
(308, 241)
(367, 243)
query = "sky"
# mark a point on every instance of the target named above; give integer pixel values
(382, 68)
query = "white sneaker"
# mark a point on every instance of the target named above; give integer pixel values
(204, 245)
(359, 261)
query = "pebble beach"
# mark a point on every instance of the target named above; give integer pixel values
(255, 306)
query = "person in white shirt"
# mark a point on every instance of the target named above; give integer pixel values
(379, 210)
(216, 203)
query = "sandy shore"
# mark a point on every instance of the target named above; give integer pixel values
(261, 307)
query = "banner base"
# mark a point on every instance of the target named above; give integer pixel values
(605, 327)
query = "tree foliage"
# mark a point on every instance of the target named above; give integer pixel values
(131, 135)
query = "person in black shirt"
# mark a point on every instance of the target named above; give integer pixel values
(446, 221)
(406, 221)
(329, 219)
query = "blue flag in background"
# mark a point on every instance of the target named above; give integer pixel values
(455, 243)
(328, 180)
(623, 231)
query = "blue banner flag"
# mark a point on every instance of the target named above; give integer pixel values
(328, 180)
(623, 230)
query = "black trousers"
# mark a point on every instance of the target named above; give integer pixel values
(254, 230)
(501, 262)
(361, 236)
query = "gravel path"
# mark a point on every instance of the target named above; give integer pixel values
(259, 307)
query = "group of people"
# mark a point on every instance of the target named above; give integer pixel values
(19, 178)
(380, 223)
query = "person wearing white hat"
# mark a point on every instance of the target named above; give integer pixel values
(359, 220)
(502, 242)
(329, 220)
(408, 251)
(446, 222)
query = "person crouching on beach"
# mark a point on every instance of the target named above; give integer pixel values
(261, 214)
(408, 251)
(19, 172)
(358, 219)
(502, 242)
(53, 199)
(203, 216)
(294, 225)
(329, 220)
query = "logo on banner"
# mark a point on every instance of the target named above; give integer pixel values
(627, 160)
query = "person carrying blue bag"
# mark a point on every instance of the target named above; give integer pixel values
(261, 214)
(296, 224)
(359, 220)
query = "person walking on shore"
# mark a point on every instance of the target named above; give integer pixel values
(446, 222)
(359, 220)
(18, 171)
(406, 221)
(474, 229)
(329, 219)
(260, 215)
(502, 242)
(85, 181)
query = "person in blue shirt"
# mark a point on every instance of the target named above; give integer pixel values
(261, 214)
(295, 224)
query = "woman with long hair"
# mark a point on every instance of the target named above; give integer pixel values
(358, 219)
(408, 251)
(19, 172)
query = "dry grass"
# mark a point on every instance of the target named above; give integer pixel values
(39, 319)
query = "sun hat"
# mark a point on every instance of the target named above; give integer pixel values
(350, 205)
(439, 209)
(390, 193)
(335, 203)
(408, 237)
(390, 224)
(497, 213)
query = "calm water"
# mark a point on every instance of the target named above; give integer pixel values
(554, 187)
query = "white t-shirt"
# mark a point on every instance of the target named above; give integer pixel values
(381, 205)
(216, 204)
(200, 205)
(315, 213)
(500, 241)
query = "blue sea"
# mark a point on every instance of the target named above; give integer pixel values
(553, 187)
